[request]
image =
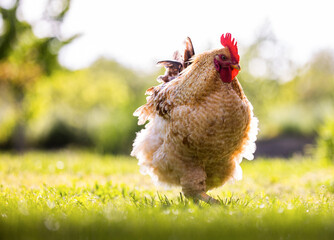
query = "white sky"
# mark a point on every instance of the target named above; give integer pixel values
(137, 33)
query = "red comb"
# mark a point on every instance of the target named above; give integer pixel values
(231, 44)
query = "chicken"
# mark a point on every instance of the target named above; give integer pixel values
(201, 124)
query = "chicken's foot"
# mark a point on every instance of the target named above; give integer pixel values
(206, 198)
(203, 197)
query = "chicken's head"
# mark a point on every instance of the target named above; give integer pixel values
(227, 60)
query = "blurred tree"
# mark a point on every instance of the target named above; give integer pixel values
(262, 76)
(325, 141)
(93, 109)
(24, 58)
(288, 100)
(310, 94)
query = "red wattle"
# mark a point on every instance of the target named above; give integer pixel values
(226, 75)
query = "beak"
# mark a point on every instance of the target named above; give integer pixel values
(235, 66)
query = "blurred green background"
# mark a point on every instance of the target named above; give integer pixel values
(44, 105)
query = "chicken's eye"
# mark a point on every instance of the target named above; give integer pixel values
(223, 57)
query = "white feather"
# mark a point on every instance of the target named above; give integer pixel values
(249, 146)
(148, 140)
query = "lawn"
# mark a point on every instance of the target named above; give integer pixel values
(82, 195)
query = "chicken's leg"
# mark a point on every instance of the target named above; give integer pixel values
(194, 186)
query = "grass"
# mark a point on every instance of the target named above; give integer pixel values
(80, 195)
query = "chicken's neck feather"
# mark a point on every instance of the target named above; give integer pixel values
(198, 80)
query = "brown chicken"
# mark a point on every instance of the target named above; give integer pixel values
(201, 124)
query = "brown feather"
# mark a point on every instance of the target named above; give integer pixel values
(179, 62)
(189, 52)
(173, 68)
